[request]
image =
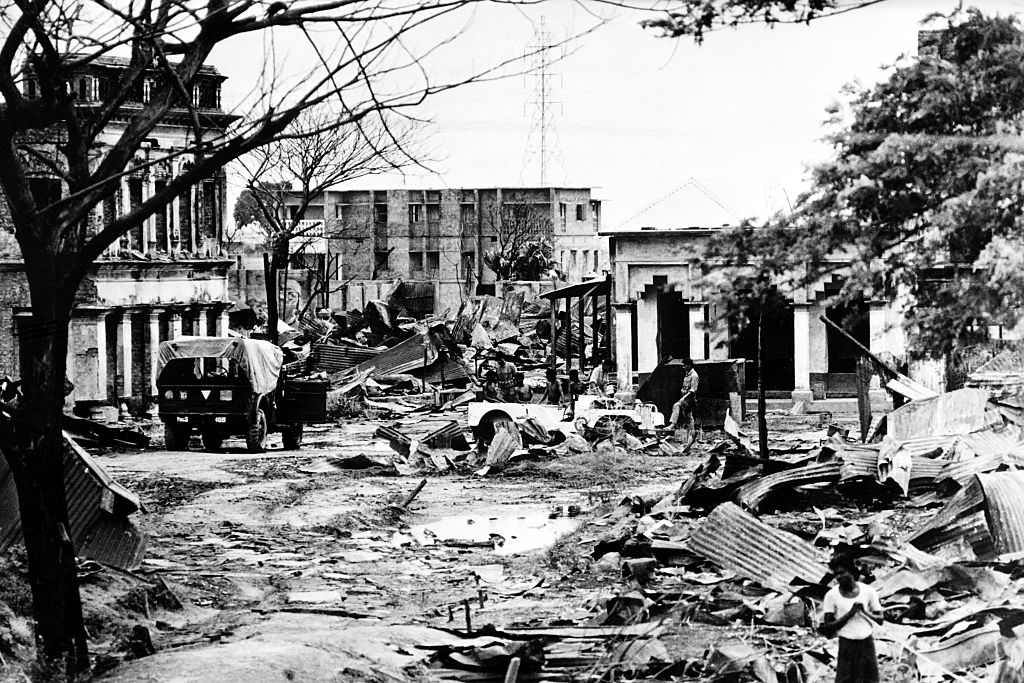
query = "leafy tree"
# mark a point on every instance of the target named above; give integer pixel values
(696, 18)
(523, 251)
(922, 201)
(61, 156)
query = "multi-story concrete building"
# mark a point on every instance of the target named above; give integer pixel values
(442, 236)
(165, 278)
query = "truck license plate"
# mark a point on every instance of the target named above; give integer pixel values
(182, 419)
(220, 419)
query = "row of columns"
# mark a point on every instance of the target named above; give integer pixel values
(172, 215)
(810, 351)
(87, 352)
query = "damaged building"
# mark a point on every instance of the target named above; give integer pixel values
(435, 241)
(166, 277)
(658, 295)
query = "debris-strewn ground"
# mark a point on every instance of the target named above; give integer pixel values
(315, 565)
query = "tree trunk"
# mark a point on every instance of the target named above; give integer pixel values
(34, 447)
(762, 420)
(270, 280)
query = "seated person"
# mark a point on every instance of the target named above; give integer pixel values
(576, 387)
(491, 386)
(552, 390)
(522, 393)
(599, 378)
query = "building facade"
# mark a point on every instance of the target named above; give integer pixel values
(661, 310)
(442, 236)
(165, 278)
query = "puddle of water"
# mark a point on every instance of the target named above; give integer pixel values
(523, 530)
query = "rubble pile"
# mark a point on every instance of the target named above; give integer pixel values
(745, 544)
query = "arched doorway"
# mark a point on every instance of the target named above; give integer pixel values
(777, 342)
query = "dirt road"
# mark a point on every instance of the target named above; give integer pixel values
(290, 568)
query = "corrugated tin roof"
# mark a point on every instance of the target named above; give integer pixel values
(752, 495)
(401, 358)
(1004, 498)
(987, 442)
(334, 358)
(1009, 360)
(962, 471)
(738, 541)
(958, 531)
(92, 498)
(957, 412)
(116, 541)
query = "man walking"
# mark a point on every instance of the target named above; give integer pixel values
(850, 612)
(682, 411)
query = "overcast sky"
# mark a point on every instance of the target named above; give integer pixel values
(637, 116)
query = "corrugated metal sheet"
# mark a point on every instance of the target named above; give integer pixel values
(1009, 360)
(858, 462)
(752, 495)
(402, 357)
(1004, 499)
(738, 541)
(961, 472)
(957, 412)
(91, 497)
(334, 358)
(960, 530)
(115, 541)
(986, 442)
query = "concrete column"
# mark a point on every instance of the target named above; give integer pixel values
(624, 345)
(696, 315)
(150, 227)
(647, 333)
(152, 346)
(801, 353)
(201, 322)
(124, 354)
(818, 331)
(193, 227)
(222, 323)
(174, 224)
(175, 331)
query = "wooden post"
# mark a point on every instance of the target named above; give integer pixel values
(608, 315)
(554, 335)
(581, 314)
(595, 322)
(568, 333)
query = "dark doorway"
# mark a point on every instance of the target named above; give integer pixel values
(853, 317)
(673, 326)
(777, 340)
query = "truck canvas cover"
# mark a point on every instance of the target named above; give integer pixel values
(260, 360)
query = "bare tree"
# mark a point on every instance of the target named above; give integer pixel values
(523, 250)
(370, 57)
(284, 179)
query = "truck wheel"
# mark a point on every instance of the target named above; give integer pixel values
(213, 439)
(291, 437)
(176, 438)
(256, 435)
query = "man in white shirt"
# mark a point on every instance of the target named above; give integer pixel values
(850, 612)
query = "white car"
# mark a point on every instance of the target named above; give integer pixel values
(593, 410)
